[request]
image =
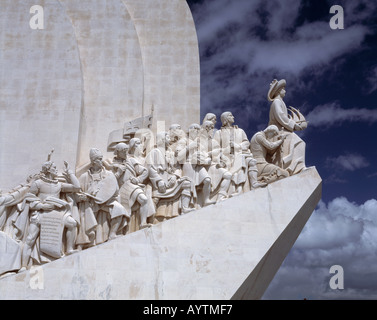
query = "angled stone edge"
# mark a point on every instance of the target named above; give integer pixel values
(259, 279)
(230, 250)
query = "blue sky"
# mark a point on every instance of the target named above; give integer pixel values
(332, 78)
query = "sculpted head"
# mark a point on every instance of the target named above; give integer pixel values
(227, 118)
(135, 146)
(121, 150)
(208, 127)
(277, 88)
(271, 131)
(193, 130)
(95, 158)
(210, 117)
(163, 139)
(49, 169)
(176, 132)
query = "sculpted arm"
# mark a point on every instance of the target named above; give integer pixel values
(281, 116)
(270, 146)
(73, 184)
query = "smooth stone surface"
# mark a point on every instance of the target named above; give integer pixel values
(96, 65)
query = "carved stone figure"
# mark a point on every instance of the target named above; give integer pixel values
(132, 175)
(292, 157)
(49, 211)
(10, 199)
(101, 214)
(234, 145)
(171, 192)
(219, 174)
(196, 161)
(263, 149)
(210, 117)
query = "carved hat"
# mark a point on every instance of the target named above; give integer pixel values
(94, 153)
(275, 86)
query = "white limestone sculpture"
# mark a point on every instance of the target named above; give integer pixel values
(235, 145)
(196, 160)
(101, 214)
(219, 174)
(10, 246)
(292, 157)
(210, 117)
(49, 215)
(263, 149)
(171, 193)
(10, 199)
(132, 186)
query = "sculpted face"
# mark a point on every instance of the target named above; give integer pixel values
(53, 171)
(97, 162)
(122, 153)
(167, 139)
(193, 131)
(209, 126)
(230, 118)
(176, 131)
(283, 92)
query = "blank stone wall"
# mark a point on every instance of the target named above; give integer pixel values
(94, 66)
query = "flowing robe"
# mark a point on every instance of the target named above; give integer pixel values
(96, 213)
(292, 157)
(160, 167)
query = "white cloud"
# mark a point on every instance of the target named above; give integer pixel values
(348, 162)
(342, 233)
(297, 55)
(333, 114)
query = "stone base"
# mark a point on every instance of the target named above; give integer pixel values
(10, 254)
(230, 250)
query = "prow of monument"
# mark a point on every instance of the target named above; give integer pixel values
(151, 202)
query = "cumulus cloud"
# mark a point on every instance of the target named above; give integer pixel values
(348, 162)
(332, 114)
(340, 233)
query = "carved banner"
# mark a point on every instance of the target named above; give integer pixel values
(52, 226)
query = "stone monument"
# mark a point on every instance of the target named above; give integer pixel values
(151, 204)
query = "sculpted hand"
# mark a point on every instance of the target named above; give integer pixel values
(134, 180)
(161, 187)
(67, 172)
(171, 182)
(81, 197)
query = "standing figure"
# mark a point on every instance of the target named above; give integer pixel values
(132, 175)
(171, 193)
(44, 197)
(196, 162)
(218, 172)
(101, 214)
(234, 145)
(210, 117)
(263, 148)
(292, 157)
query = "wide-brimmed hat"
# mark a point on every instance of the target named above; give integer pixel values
(275, 86)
